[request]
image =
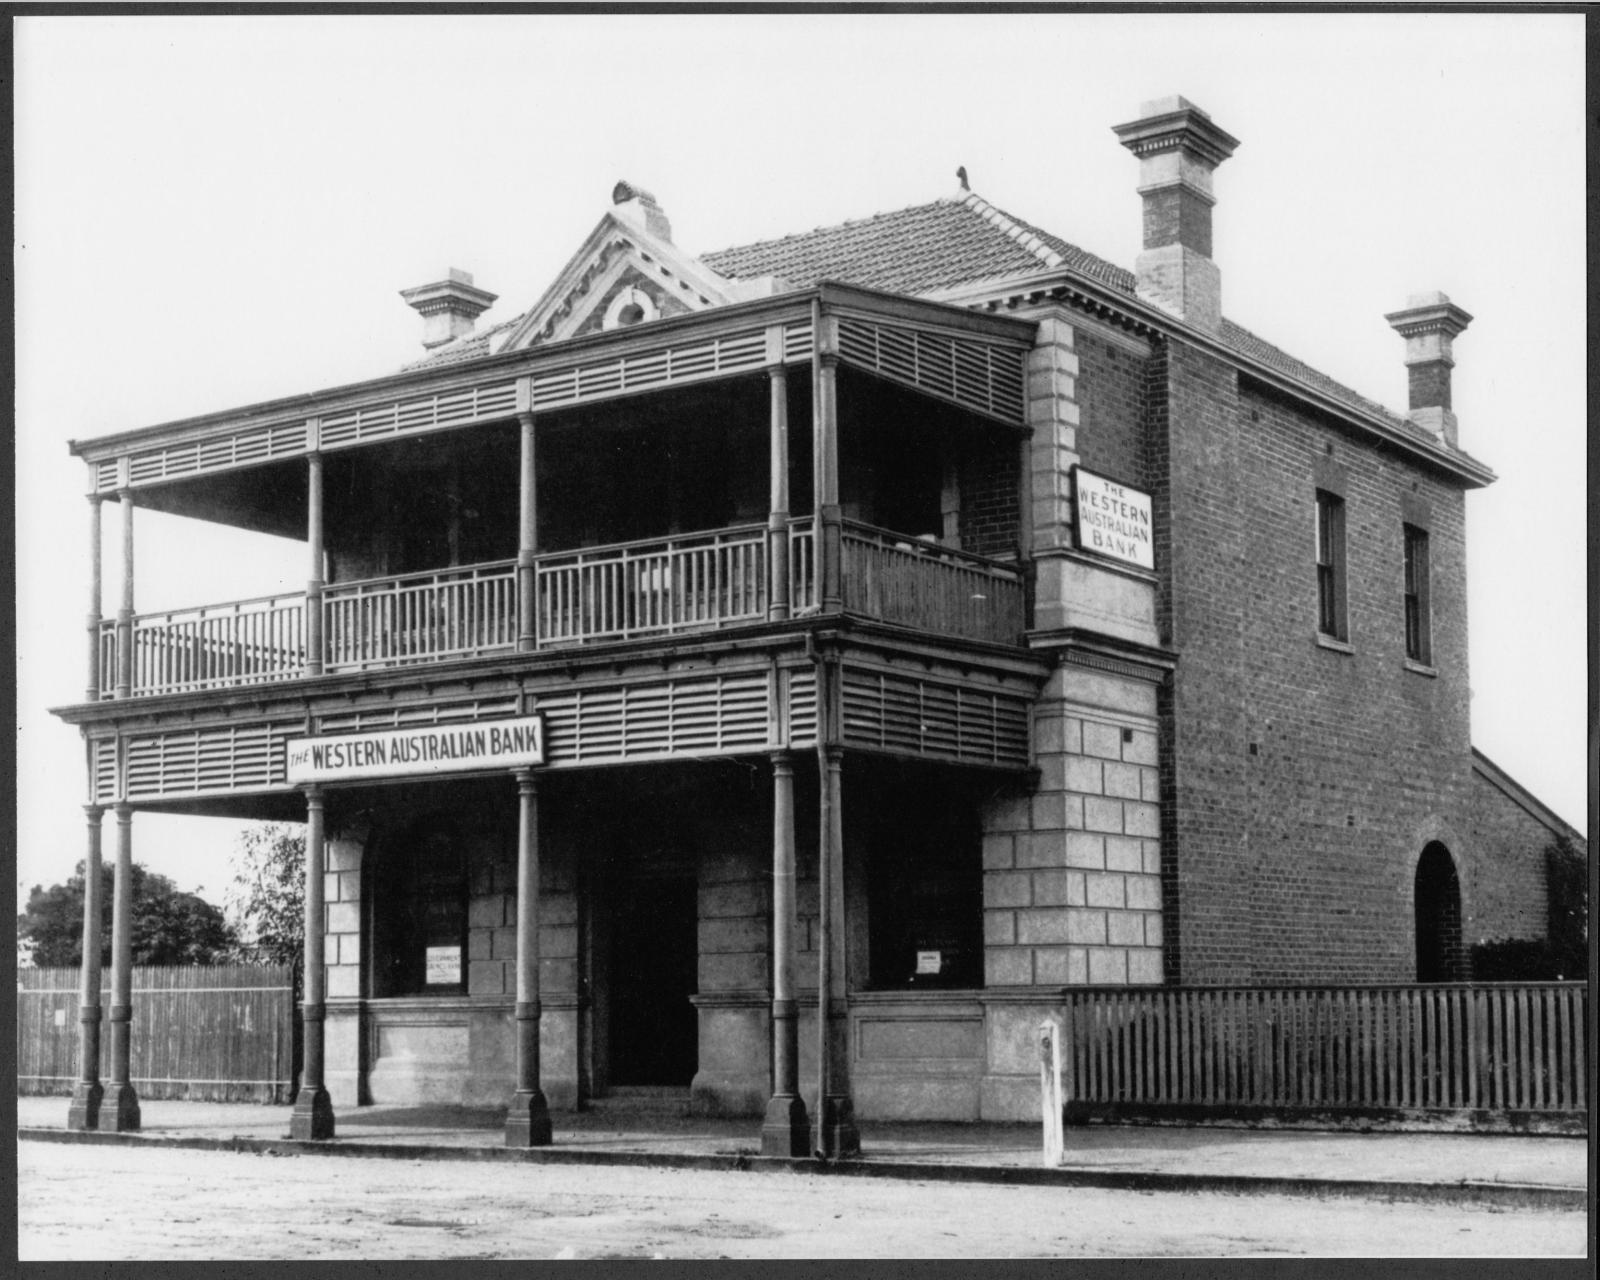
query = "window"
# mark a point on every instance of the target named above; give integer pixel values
(420, 919)
(1331, 616)
(1419, 629)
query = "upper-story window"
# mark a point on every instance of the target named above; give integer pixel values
(1332, 616)
(1419, 626)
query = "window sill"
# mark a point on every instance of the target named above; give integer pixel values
(1422, 669)
(1337, 646)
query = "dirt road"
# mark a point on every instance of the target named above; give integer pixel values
(109, 1202)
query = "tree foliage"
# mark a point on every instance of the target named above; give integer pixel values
(267, 898)
(170, 927)
(1567, 885)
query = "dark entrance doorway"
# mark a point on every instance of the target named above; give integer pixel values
(654, 1030)
(1438, 907)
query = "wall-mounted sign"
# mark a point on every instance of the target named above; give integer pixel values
(389, 753)
(444, 966)
(1113, 520)
(929, 961)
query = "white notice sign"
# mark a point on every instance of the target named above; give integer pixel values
(1113, 520)
(440, 748)
(444, 966)
(929, 961)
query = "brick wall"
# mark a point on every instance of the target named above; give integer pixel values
(1305, 780)
(1505, 889)
(990, 476)
(1111, 402)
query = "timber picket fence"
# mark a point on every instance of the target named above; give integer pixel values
(1491, 1052)
(213, 1033)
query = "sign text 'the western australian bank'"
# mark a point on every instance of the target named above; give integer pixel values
(1113, 520)
(388, 753)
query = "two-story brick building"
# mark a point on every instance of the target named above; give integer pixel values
(921, 611)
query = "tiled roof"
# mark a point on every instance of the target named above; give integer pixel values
(952, 241)
(916, 250)
(1247, 344)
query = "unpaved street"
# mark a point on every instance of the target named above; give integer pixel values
(110, 1202)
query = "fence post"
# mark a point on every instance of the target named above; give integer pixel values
(1050, 1090)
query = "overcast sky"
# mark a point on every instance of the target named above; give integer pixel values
(215, 211)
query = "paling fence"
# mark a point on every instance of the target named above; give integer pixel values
(216, 1033)
(1489, 1049)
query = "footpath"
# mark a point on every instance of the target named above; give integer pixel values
(1506, 1169)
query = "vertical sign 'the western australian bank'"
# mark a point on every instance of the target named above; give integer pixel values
(1113, 519)
(440, 748)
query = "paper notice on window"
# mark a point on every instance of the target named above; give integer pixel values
(929, 961)
(444, 965)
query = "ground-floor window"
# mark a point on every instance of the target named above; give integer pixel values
(420, 912)
(923, 854)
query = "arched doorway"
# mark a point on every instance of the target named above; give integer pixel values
(1438, 910)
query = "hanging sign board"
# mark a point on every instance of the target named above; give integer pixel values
(1112, 519)
(440, 748)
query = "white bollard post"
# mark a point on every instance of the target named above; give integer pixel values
(1050, 1098)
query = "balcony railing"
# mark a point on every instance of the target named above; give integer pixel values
(698, 582)
(929, 587)
(419, 617)
(213, 647)
(649, 588)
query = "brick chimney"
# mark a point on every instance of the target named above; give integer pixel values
(638, 207)
(1429, 324)
(448, 307)
(1178, 149)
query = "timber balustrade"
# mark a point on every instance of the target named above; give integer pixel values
(929, 587)
(654, 587)
(696, 582)
(212, 647)
(1493, 1047)
(419, 617)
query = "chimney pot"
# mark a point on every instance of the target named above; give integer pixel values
(1179, 148)
(448, 307)
(1429, 323)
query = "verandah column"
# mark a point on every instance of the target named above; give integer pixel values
(836, 1127)
(84, 1111)
(785, 1132)
(92, 686)
(528, 1118)
(123, 1108)
(778, 520)
(314, 566)
(313, 1109)
(825, 461)
(527, 541)
(124, 686)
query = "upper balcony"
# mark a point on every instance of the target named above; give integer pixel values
(633, 506)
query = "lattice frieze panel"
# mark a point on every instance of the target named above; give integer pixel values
(405, 716)
(422, 413)
(103, 770)
(619, 375)
(213, 759)
(218, 453)
(912, 716)
(702, 716)
(976, 375)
